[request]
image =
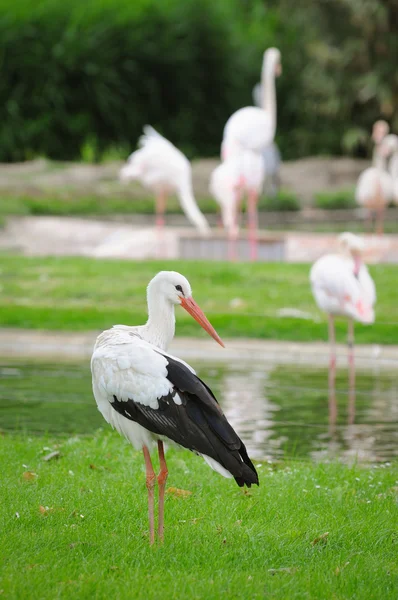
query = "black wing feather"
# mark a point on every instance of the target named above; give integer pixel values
(198, 423)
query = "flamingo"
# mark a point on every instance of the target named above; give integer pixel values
(228, 182)
(149, 396)
(160, 166)
(374, 188)
(391, 144)
(251, 127)
(380, 130)
(271, 154)
(247, 134)
(342, 286)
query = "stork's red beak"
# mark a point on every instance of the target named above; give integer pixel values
(197, 313)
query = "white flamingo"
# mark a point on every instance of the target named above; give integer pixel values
(391, 144)
(164, 169)
(243, 172)
(247, 134)
(271, 154)
(342, 286)
(379, 131)
(374, 188)
(149, 396)
(251, 127)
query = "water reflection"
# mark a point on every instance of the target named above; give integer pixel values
(288, 412)
(250, 411)
(279, 411)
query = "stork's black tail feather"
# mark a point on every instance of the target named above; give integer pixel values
(249, 474)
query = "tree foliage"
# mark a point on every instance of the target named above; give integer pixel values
(91, 74)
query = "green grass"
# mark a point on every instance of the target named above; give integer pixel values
(91, 541)
(83, 294)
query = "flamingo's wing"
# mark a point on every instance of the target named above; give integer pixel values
(251, 128)
(337, 290)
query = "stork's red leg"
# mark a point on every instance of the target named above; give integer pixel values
(332, 371)
(162, 478)
(150, 484)
(351, 363)
(253, 223)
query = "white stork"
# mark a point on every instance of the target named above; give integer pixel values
(149, 396)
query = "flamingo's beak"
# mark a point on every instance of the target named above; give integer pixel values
(197, 313)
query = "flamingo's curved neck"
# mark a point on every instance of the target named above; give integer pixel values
(160, 327)
(394, 164)
(379, 160)
(268, 88)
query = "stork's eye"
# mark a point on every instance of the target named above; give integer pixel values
(179, 288)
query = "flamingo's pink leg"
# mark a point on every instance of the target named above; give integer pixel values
(380, 221)
(351, 365)
(252, 223)
(234, 230)
(161, 199)
(369, 222)
(332, 372)
(160, 209)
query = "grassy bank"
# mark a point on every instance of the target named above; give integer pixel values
(77, 527)
(242, 300)
(117, 201)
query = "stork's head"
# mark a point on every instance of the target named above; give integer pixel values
(380, 130)
(176, 289)
(273, 57)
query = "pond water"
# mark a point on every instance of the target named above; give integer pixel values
(279, 411)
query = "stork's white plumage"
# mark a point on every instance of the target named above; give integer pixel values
(148, 396)
(342, 286)
(164, 169)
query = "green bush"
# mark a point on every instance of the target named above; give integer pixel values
(335, 200)
(78, 78)
(281, 202)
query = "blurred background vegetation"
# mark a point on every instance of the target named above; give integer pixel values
(79, 79)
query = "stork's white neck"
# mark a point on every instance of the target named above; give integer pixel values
(268, 88)
(160, 327)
